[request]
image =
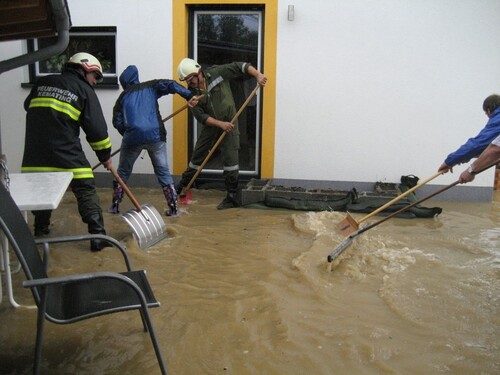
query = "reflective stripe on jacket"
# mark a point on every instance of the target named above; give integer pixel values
(58, 106)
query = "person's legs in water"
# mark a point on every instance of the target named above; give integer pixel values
(230, 158)
(158, 154)
(232, 199)
(128, 156)
(90, 210)
(205, 141)
(42, 222)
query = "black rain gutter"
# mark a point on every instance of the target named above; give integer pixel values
(62, 20)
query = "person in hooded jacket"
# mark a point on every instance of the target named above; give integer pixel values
(137, 118)
(475, 146)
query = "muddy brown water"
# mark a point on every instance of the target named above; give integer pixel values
(248, 291)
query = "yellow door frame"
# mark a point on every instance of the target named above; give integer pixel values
(180, 24)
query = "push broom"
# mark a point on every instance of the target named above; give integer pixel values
(185, 195)
(347, 242)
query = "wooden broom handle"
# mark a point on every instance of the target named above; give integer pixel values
(125, 188)
(381, 208)
(221, 138)
(181, 109)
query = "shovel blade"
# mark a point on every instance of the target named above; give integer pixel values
(185, 197)
(347, 226)
(147, 225)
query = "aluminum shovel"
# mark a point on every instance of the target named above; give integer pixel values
(145, 221)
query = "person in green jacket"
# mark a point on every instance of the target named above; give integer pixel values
(215, 111)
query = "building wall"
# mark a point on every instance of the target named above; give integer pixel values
(365, 90)
(380, 89)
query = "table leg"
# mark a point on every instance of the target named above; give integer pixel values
(8, 276)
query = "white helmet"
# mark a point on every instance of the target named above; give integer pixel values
(88, 62)
(187, 68)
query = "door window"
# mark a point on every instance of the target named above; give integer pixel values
(221, 37)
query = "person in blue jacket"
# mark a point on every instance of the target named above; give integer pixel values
(137, 118)
(475, 146)
(489, 156)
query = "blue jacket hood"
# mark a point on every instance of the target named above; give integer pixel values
(129, 77)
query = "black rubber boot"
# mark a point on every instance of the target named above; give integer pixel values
(42, 231)
(231, 201)
(42, 222)
(171, 197)
(117, 198)
(95, 225)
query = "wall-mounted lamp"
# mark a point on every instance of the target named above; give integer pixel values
(290, 13)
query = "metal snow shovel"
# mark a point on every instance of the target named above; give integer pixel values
(145, 220)
(350, 225)
(185, 189)
(345, 244)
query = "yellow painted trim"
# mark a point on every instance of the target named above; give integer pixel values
(180, 50)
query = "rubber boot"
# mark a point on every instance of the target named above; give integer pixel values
(231, 201)
(42, 222)
(117, 198)
(171, 197)
(95, 225)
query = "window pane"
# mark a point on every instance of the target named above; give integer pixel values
(101, 46)
(221, 38)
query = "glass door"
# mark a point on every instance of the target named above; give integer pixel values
(220, 37)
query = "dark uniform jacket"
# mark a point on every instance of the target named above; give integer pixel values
(219, 103)
(57, 107)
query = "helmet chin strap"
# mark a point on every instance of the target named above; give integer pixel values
(201, 82)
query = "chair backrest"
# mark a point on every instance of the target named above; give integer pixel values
(21, 240)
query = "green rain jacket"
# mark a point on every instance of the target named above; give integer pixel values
(219, 101)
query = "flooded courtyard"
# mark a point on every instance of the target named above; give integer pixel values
(249, 291)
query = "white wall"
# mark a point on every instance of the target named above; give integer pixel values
(144, 39)
(382, 88)
(366, 90)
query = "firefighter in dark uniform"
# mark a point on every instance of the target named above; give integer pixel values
(215, 111)
(57, 107)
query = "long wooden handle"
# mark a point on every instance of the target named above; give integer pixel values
(344, 245)
(221, 138)
(381, 208)
(112, 154)
(176, 112)
(125, 188)
(181, 109)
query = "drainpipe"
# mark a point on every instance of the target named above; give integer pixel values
(62, 20)
(60, 12)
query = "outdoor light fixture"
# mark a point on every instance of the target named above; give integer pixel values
(290, 13)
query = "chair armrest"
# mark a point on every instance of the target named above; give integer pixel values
(75, 278)
(87, 276)
(85, 237)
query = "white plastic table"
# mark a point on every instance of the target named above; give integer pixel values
(32, 191)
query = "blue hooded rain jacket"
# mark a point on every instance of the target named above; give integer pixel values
(136, 115)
